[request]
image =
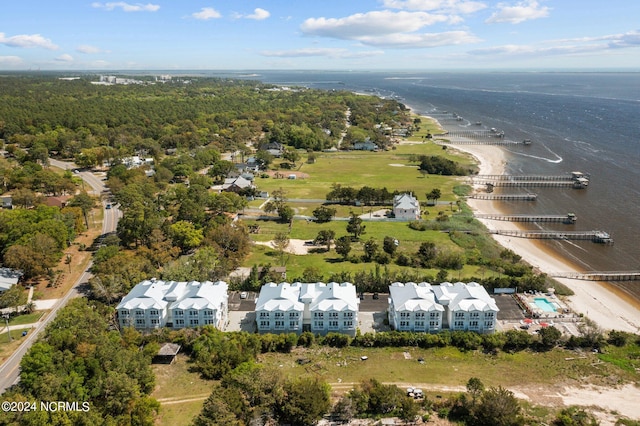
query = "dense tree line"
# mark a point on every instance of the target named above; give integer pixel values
(366, 195)
(72, 117)
(438, 165)
(79, 359)
(32, 240)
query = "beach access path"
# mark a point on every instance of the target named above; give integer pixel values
(591, 298)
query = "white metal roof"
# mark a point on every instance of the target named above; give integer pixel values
(413, 297)
(205, 295)
(405, 201)
(320, 296)
(427, 297)
(159, 294)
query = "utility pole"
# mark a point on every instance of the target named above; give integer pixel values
(6, 318)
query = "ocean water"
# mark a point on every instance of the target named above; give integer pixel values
(587, 122)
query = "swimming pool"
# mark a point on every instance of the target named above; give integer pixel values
(544, 304)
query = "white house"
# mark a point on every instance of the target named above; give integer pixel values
(316, 307)
(406, 206)
(154, 304)
(431, 308)
(413, 307)
(8, 278)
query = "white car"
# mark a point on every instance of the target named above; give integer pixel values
(243, 295)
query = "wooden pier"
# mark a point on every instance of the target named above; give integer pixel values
(600, 237)
(505, 197)
(577, 180)
(568, 219)
(600, 276)
(480, 142)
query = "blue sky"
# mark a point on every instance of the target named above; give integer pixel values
(319, 34)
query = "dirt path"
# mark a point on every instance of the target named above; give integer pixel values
(295, 246)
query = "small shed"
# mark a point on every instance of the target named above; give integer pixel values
(167, 353)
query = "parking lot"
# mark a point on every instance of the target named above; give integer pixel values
(509, 309)
(371, 316)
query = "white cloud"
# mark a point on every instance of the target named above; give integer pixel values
(259, 14)
(85, 48)
(320, 51)
(520, 12)
(126, 7)
(565, 47)
(388, 29)
(11, 61)
(207, 13)
(630, 39)
(450, 6)
(423, 40)
(377, 23)
(27, 41)
(65, 57)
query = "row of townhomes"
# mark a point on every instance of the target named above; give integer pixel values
(316, 307)
(432, 308)
(154, 304)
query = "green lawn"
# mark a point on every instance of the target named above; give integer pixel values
(390, 169)
(26, 319)
(330, 263)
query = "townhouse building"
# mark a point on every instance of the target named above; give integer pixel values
(154, 303)
(432, 308)
(316, 307)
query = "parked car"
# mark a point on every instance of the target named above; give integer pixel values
(243, 295)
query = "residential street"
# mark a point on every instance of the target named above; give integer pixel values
(9, 371)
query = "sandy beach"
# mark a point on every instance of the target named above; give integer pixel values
(593, 299)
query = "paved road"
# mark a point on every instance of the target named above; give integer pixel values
(10, 369)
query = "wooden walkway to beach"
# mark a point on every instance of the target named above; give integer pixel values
(601, 237)
(481, 142)
(576, 180)
(568, 219)
(529, 178)
(505, 197)
(600, 276)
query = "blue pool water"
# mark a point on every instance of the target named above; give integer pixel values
(544, 304)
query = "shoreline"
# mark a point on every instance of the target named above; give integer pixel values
(601, 302)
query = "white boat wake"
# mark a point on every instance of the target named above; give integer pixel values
(555, 160)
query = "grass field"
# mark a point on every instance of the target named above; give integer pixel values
(390, 169)
(449, 366)
(181, 393)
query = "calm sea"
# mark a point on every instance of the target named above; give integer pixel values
(588, 122)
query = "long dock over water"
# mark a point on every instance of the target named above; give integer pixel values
(600, 276)
(505, 197)
(575, 180)
(568, 219)
(600, 237)
(481, 142)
